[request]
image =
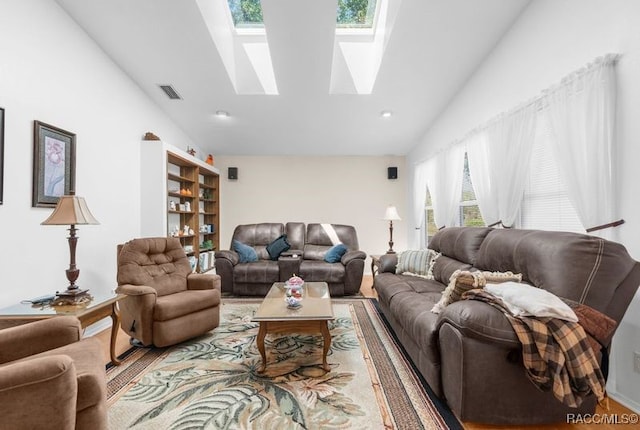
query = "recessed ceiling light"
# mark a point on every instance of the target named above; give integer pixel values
(222, 114)
(386, 114)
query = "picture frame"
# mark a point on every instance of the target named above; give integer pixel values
(1, 155)
(54, 164)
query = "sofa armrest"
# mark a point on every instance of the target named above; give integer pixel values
(39, 336)
(39, 393)
(232, 256)
(203, 281)
(388, 263)
(481, 321)
(135, 290)
(352, 255)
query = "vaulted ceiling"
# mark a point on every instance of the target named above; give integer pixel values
(434, 47)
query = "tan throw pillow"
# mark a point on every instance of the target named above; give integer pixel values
(417, 263)
(462, 281)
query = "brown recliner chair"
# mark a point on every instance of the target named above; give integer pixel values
(50, 378)
(166, 303)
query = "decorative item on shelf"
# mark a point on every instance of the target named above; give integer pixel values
(391, 215)
(209, 159)
(207, 244)
(185, 230)
(188, 249)
(150, 136)
(191, 232)
(182, 207)
(191, 151)
(187, 206)
(71, 210)
(172, 205)
(175, 231)
(201, 210)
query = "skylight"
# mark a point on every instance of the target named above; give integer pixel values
(355, 13)
(246, 13)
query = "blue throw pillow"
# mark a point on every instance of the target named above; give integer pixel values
(247, 254)
(278, 246)
(335, 253)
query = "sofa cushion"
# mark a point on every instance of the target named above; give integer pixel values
(321, 271)
(278, 246)
(445, 266)
(417, 263)
(459, 243)
(262, 271)
(246, 253)
(335, 253)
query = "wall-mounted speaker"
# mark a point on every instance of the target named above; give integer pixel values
(392, 173)
(233, 173)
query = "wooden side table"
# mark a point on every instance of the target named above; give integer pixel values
(102, 306)
(375, 264)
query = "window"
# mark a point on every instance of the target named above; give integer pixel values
(356, 13)
(470, 215)
(430, 221)
(246, 13)
(546, 204)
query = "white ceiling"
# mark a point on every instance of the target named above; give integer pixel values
(434, 48)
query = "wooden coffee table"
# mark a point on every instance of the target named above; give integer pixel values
(312, 317)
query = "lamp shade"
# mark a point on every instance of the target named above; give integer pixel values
(391, 214)
(71, 210)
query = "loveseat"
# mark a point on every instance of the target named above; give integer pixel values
(469, 353)
(305, 257)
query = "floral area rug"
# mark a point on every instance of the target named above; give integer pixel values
(212, 382)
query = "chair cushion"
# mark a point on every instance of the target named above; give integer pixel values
(184, 303)
(160, 263)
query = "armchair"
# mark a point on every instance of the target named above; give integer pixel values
(50, 378)
(166, 303)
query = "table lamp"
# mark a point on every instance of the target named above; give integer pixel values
(71, 210)
(391, 215)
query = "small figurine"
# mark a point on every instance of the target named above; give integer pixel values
(187, 206)
(172, 205)
(191, 232)
(185, 230)
(150, 136)
(209, 159)
(191, 151)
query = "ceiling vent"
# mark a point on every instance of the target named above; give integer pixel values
(170, 92)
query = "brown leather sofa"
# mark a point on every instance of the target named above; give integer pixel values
(469, 353)
(305, 258)
(166, 303)
(51, 378)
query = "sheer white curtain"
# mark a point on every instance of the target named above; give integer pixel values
(483, 175)
(511, 138)
(444, 178)
(499, 155)
(581, 112)
(419, 199)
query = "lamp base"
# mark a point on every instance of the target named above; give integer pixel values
(391, 251)
(71, 292)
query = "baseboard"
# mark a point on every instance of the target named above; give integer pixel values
(625, 401)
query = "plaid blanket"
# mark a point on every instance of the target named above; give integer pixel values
(556, 354)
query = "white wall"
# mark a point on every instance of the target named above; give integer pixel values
(551, 39)
(342, 190)
(51, 71)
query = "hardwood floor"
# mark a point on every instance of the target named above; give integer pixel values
(615, 408)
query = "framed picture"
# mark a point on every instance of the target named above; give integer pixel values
(54, 164)
(1, 153)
